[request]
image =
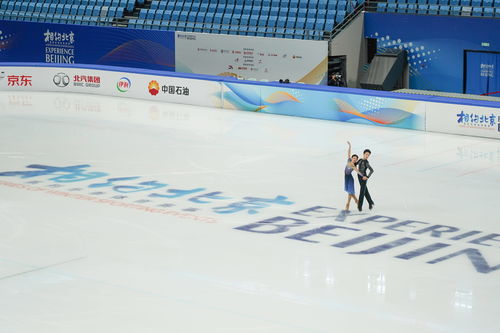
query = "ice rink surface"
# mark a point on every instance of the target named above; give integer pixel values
(120, 215)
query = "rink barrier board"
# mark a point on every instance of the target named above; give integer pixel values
(417, 112)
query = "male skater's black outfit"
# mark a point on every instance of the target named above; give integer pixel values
(363, 165)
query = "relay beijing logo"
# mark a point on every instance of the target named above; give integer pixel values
(154, 88)
(123, 85)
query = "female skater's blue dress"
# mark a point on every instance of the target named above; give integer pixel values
(349, 179)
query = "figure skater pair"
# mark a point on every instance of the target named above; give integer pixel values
(361, 166)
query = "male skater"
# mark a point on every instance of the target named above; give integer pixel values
(363, 165)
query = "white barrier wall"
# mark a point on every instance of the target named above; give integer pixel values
(110, 83)
(352, 106)
(463, 119)
(252, 57)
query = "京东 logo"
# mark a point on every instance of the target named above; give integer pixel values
(61, 80)
(123, 85)
(154, 88)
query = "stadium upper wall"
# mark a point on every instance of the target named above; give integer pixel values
(435, 44)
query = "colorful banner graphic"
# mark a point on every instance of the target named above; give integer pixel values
(361, 109)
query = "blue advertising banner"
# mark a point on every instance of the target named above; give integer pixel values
(482, 72)
(435, 44)
(78, 44)
(327, 105)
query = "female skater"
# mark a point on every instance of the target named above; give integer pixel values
(348, 179)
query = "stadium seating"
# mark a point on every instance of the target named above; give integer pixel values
(268, 18)
(307, 19)
(476, 8)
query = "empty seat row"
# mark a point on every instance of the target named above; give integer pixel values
(438, 9)
(310, 23)
(31, 6)
(228, 29)
(469, 3)
(185, 15)
(81, 10)
(204, 6)
(56, 18)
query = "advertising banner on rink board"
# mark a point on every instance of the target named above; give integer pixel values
(249, 57)
(463, 119)
(327, 105)
(110, 83)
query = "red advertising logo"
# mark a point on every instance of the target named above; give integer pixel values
(19, 80)
(154, 88)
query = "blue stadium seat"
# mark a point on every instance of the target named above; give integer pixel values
(312, 13)
(302, 12)
(174, 17)
(476, 3)
(488, 12)
(329, 25)
(443, 2)
(300, 23)
(289, 33)
(412, 8)
(340, 16)
(341, 5)
(401, 7)
(330, 15)
(320, 24)
(477, 11)
(381, 7)
(272, 21)
(310, 23)
(433, 10)
(464, 3)
(322, 4)
(281, 22)
(212, 8)
(321, 13)
(265, 10)
(167, 15)
(422, 9)
(444, 10)
(487, 3)
(391, 7)
(256, 10)
(245, 19)
(170, 6)
(456, 10)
